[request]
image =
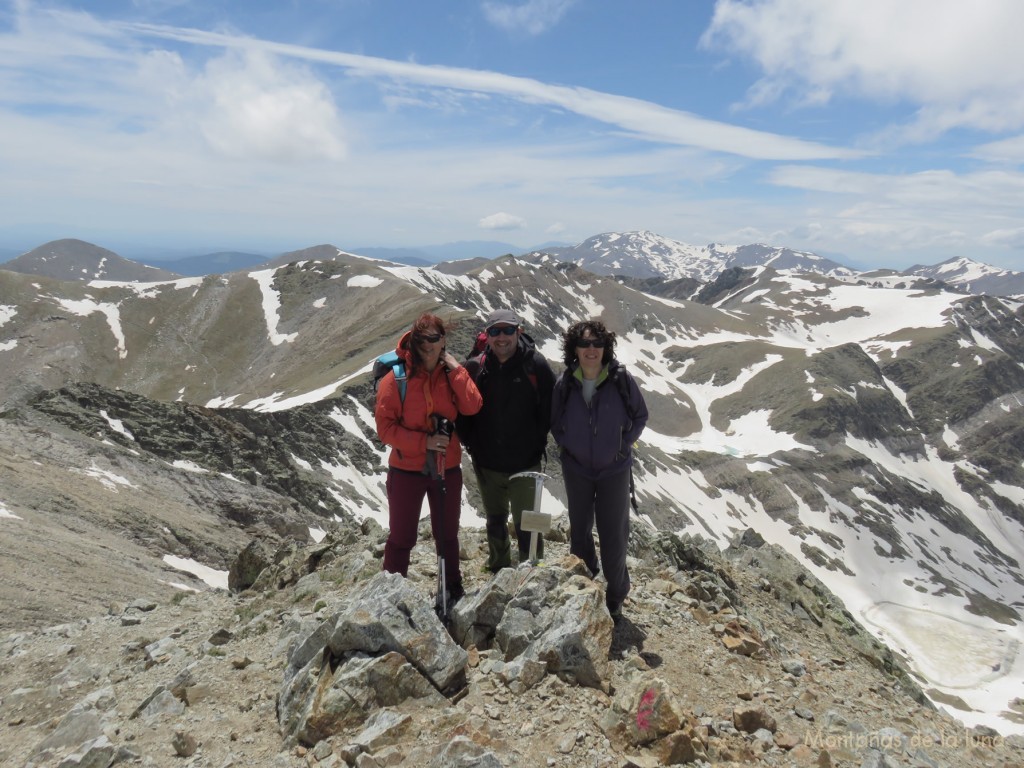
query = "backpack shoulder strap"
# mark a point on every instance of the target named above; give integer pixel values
(622, 385)
(390, 361)
(400, 378)
(530, 367)
(474, 366)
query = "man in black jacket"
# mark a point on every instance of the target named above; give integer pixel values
(510, 432)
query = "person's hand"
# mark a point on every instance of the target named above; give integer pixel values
(437, 442)
(449, 361)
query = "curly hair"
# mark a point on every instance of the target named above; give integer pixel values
(597, 331)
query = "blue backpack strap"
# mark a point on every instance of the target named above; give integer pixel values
(393, 362)
(401, 378)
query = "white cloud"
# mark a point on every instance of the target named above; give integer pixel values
(502, 221)
(532, 16)
(962, 63)
(257, 106)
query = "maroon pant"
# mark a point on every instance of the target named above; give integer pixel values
(405, 501)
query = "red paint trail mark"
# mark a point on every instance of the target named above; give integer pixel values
(646, 709)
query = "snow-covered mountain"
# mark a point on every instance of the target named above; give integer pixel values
(645, 254)
(872, 432)
(974, 277)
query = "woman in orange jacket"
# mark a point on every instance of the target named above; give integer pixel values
(423, 447)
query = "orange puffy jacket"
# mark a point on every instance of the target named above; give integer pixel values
(405, 426)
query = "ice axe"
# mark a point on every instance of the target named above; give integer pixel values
(533, 520)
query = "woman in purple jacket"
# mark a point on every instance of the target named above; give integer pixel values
(597, 414)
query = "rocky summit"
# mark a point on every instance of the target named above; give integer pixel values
(316, 658)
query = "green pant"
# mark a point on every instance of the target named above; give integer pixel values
(501, 496)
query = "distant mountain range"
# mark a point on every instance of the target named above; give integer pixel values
(974, 277)
(645, 254)
(431, 254)
(664, 266)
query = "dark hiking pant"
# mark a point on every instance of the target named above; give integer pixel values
(501, 496)
(405, 501)
(605, 502)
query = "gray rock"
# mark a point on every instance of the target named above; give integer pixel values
(388, 614)
(75, 674)
(752, 719)
(383, 728)
(319, 701)
(97, 753)
(517, 628)
(576, 633)
(161, 703)
(522, 674)
(184, 680)
(220, 637)
(162, 650)
(476, 617)
(75, 728)
(795, 667)
(308, 586)
(247, 567)
(462, 752)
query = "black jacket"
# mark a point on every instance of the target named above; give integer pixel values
(510, 432)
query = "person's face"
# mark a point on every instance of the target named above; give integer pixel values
(589, 349)
(503, 339)
(431, 347)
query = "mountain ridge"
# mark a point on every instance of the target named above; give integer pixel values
(638, 255)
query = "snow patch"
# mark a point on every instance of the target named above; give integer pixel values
(216, 579)
(363, 281)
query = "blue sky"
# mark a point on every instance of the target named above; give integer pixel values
(879, 133)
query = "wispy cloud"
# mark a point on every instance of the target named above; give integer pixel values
(1007, 150)
(533, 16)
(1006, 238)
(641, 119)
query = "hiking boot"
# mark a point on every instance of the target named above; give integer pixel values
(455, 593)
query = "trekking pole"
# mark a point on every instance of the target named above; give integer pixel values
(443, 427)
(533, 520)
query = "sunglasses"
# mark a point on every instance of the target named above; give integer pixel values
(508, 330)
(587, 343)
(432, 338)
